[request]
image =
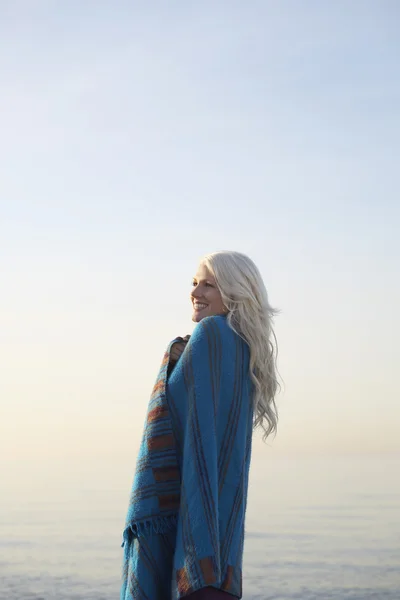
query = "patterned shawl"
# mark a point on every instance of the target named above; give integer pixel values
(193, 464)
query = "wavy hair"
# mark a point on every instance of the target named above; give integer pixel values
(250, 315)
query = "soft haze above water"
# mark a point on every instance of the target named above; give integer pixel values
(326, 528)
(132, 142)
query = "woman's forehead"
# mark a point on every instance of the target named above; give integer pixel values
(203, 273)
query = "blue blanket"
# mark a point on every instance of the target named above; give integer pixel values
(190, 486)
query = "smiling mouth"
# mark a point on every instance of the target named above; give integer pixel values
(199, 306)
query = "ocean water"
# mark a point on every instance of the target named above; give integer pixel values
(317, 528)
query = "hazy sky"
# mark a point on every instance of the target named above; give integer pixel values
(137, 136)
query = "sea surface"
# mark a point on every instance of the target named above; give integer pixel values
(325, 528)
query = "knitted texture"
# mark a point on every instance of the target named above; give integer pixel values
(185, 524)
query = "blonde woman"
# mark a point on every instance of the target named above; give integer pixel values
(184, 531)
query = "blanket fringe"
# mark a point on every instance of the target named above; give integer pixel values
(156, 525)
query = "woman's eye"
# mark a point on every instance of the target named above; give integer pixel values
(194, 283)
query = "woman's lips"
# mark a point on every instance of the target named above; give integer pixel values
(199, 306)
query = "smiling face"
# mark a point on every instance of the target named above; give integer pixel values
(205, 295)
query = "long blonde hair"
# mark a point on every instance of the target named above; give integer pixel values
(250, 315)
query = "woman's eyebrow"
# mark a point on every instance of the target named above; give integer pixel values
(207, 279)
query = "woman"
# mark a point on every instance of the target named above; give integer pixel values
(184, 530)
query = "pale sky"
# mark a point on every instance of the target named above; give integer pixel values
(138, 136)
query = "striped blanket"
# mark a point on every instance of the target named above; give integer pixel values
(185, 524)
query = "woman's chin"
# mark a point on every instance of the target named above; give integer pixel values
(198, 316)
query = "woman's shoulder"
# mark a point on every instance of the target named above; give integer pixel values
(211, 325)
(214, 329)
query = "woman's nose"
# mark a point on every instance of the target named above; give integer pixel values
(196, 293)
